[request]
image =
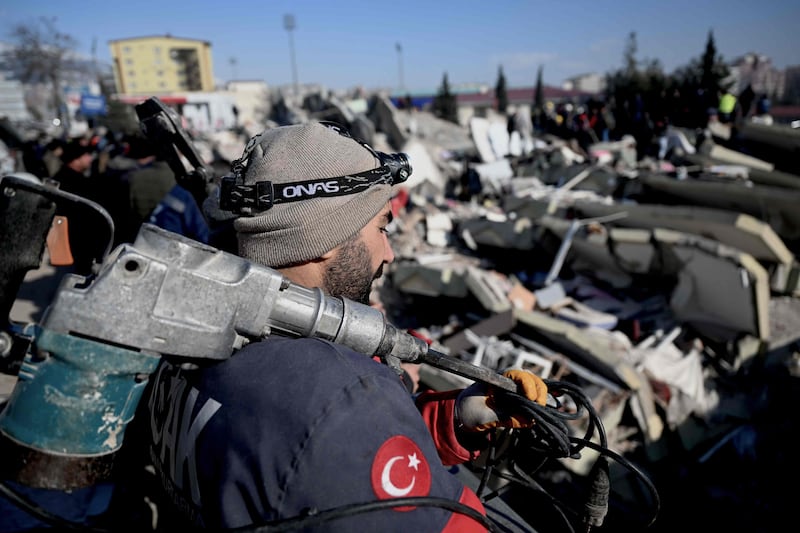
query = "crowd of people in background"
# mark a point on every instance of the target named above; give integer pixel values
(600, 120)
(124, 174)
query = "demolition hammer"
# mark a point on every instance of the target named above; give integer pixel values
(82, 371)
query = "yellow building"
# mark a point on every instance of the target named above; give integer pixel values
(161, 64)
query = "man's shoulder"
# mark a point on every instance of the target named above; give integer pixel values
(285, 364)
(266, 373)
(312, 353)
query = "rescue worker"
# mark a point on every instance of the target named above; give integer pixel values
(178, 212)
(88, 232)
(727, 107)
(288, 427)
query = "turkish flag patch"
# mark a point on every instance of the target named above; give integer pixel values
(400, 470)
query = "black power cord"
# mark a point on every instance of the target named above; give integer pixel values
(596, 506)
(309, 519)
(551, 436)
(315, 518)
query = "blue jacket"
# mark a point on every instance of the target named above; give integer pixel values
(179, 213)
(285, 426)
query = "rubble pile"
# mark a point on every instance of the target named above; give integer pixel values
(667, 289)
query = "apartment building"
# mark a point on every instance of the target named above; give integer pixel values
(757, 71)
(153, 65)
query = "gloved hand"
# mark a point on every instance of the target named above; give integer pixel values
(476, 408)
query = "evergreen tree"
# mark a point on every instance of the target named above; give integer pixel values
(500, 92)
(707, 63)
(636, 94)
(699, 84)
(629, 55)
(444, 103)
(714, 71)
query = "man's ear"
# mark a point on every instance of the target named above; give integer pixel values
(327, 255)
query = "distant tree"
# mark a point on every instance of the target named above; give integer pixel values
(39, 54)
(629, 55)
(699, 84)
(714, 71)
(638, 92)
(538, 100)
(444, 103)
(500, 91)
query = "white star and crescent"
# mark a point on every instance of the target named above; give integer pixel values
(399, 461)
(386, 481)
(413, 462)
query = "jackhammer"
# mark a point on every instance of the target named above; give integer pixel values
(163, 295)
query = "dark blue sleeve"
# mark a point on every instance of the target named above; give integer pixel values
(288, 425)
(196, 225)
(370, 443)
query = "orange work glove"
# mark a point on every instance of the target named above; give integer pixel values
(476, 409)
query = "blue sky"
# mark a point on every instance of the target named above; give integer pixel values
(341, 44)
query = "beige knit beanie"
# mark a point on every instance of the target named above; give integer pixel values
(299, 231)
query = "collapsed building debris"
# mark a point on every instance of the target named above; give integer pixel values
(666, 289)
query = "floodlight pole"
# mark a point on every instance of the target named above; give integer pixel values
(400, 66)
(289, 25)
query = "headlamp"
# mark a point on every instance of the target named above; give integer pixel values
(252, 199)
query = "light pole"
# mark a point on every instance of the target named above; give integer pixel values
(288, 25)
(233, 68)
(399, 49)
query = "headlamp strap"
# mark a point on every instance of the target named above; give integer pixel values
(249, 200)
(254, 198)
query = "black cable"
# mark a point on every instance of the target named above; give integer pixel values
(559, 506)
(550, 424)
(595, 507)
(490, 463)
(290, 524)
(632, 468)
(319, 517)
(551, 435)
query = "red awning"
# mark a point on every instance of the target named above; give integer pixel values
(166, 99)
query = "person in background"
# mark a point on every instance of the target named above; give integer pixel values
(32, 154)
(178, 212)
(288, 426)
(88, 231)
(727, 107)
(148, 183)
(746, 98)
(762, 114)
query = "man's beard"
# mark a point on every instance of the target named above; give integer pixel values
(350, 274)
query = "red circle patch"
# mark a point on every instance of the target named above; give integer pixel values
(399, 470)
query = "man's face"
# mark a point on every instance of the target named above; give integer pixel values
(360, 260)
